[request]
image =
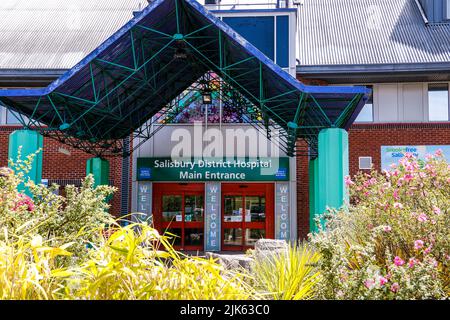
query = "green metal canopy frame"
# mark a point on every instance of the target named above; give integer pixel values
(116, 90)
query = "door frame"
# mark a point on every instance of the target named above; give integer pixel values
(183, 189)
(249, 189)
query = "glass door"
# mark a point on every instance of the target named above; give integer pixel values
(247, 215)
(179, 212)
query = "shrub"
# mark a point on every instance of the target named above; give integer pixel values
(54, 247)
(392, 241)
(56, 218)
(135, 262)
(290, 275)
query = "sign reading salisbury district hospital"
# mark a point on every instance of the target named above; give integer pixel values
(213, 169)
(392, 154)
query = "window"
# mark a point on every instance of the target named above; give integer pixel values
(366, 114)
(365, 163)
(12, 117)
(438, 102)
(447, 16)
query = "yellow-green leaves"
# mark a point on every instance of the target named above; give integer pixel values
(289, 275)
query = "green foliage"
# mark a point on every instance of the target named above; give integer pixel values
(56, 218)
(26, 267)
(138, 263)
(393, 241)
(54, 247)
(290, 275)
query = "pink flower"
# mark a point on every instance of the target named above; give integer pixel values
(418, 244)
(372, 181)
(408, 155)
(395, 286)
(348, 181)
(398, 205)
(436, 210)
(396, 197)
(428, 250)
(428, 157)
(387, 228)
(383, 281)
(398, 261)
(428, 167)
(439, 153)
(369, 283)
(422, 217)
(433, 262)
(409, 177)
(423, 175)
(412, 262)
(24, 200)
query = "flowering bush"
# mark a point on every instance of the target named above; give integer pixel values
(61, 219)
(54, 247)
(392, 241)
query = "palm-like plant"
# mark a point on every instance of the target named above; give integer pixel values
(289, 275)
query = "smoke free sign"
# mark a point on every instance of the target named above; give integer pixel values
(392, 154)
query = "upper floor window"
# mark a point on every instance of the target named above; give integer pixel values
(438, 102)
(12, 117)
(447, 4)
(366, 114)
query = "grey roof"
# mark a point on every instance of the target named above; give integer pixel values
(360, 32)
(57, 34)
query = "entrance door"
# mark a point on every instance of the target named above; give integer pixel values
(247, 214)
(179, 210)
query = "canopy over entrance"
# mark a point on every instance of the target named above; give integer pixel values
(115, 91)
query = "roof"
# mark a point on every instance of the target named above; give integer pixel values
(120, 85)
(55, 34)
(369, 32)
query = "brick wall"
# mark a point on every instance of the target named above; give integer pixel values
(59, 166)
(366, 140)
(302, 193)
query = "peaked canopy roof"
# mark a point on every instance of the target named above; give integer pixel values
(113, 92)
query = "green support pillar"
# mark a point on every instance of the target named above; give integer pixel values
(99, 168)
(313, 193)
(333, 166)
(30, 142)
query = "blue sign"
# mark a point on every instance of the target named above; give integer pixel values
(281, 174)
(282, 221)
(212, 216)
(392, 154)
(145, 173)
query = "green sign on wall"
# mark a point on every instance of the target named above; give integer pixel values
(213, 169)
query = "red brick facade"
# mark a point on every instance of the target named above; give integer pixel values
(366, 140)
(63, 168)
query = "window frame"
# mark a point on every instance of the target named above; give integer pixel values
(446, 11)
(428, 84)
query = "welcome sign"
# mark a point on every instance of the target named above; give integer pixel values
(213, 169)
(392, 154)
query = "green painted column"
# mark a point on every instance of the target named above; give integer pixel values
(99, 168)
(30, 142)
(333, 166)
(313, 193)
